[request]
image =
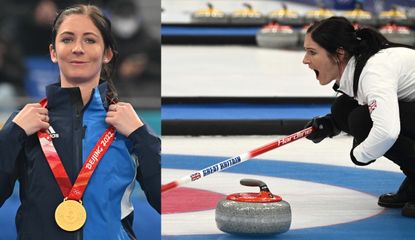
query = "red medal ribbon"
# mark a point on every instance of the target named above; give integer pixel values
(91, 163)
(76, 191)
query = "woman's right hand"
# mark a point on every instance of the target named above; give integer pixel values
(323, 127)
(32, 118)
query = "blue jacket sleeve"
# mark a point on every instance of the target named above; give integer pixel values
(12, 139)
(147, 148)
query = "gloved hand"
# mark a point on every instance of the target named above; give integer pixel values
(324, 127)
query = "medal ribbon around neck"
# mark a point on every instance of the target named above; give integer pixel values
(68, 220)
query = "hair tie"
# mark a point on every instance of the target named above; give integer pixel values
(356, 35)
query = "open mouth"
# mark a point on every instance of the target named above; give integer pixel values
(316, 72)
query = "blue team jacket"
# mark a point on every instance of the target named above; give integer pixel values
(107, 196)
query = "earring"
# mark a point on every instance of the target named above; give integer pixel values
(106, 60)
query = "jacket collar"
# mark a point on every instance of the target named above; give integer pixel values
(60, 97)
(346, 81)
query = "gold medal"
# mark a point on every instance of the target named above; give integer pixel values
(70, 215)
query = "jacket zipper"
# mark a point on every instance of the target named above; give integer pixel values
(78, 151)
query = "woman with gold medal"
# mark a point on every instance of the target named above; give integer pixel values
(78, 153)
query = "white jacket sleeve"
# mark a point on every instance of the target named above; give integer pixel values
(378, 89)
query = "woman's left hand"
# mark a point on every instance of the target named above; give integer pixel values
(123, 117)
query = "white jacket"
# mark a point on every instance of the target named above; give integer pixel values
(387, 77)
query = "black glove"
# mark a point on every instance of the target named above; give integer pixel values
(324, 127)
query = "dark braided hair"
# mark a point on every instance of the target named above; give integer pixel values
(104, 26)
(337, 32)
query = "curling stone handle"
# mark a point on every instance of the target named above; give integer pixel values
(247, 5)
(254, 183)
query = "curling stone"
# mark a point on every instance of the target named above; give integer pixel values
(360, 16)
(394, 16)
(248, 15)
(275, 35)
(317, 15)
(250, 213)
(285, 16)
(398, 34)
(210, 15)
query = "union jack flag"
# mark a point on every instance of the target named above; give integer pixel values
(195, 176)
(372, 106)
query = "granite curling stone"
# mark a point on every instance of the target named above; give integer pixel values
(260, 213)
(275, 35)
(248, 15)
(210, 15)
